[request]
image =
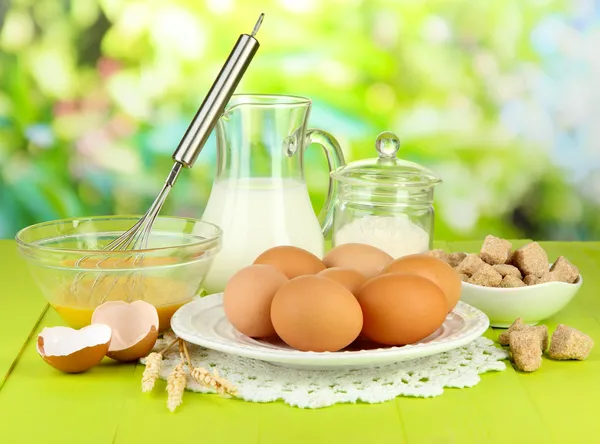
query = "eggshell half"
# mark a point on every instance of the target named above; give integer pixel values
(74, 351)
(134, 325)
(434, 269)
(366, 259)
(291, 261)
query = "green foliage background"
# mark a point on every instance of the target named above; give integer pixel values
(95, 95)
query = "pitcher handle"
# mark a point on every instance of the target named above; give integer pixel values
(335, 159)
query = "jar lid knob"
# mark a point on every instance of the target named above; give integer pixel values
(387, 144)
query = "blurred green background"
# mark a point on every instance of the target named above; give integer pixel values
(500, 98)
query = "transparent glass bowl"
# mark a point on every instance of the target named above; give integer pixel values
(66, 260)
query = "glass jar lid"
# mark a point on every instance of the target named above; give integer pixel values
(387, 169)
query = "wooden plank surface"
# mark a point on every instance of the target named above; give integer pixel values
(21, 306)
(39, 404)
(556, 404)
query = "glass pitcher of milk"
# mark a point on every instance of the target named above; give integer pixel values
(259, 197)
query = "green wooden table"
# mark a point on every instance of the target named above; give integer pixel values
(560, 403)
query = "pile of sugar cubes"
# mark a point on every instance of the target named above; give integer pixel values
(497, 265)
(528, 343)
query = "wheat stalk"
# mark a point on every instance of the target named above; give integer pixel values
(207, 379)
(151, 372)
(153, 365)
(176, 383)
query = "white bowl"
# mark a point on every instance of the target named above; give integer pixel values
(533, 303)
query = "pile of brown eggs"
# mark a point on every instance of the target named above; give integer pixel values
(356, 290)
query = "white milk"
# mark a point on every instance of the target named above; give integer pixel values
(256, 214)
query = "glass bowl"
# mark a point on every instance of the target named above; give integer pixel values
(66, 260)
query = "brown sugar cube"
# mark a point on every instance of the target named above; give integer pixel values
(525, 349)
(548, 276)
(531, 259)
(470, 264)
(542, 332)
(570, 343)
(566, 271)
(510, 281)
(510, 257)
(439, 254)
(463, 277)
(486, 276)
(495, 250)
(515, 326)
(530, 279)
(518, 325)
(506, 270)
(454, 259)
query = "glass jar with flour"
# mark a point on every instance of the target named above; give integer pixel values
(386, 202)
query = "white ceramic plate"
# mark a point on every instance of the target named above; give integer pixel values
(203, 322)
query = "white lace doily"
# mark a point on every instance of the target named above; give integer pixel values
(258, 381)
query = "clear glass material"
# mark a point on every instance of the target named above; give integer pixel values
(259, 197)
(66, 260)
(385, 202)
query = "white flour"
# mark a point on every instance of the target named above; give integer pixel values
(396, 235)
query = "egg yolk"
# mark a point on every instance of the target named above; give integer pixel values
(77, 317)
(76, 302)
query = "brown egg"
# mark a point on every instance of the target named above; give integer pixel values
(74, 351)
(366, 259)
(401, 309)
(291, 261)
(247, 299)
(134, 326)
(351, 279)
(438, 271)
(314, 313)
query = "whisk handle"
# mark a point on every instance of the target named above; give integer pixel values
(214, 103)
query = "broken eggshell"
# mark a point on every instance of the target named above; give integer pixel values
(74, 351)
(134, 325)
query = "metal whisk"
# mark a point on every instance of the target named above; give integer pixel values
(136, 238)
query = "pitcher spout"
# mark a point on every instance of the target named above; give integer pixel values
(238, 101)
